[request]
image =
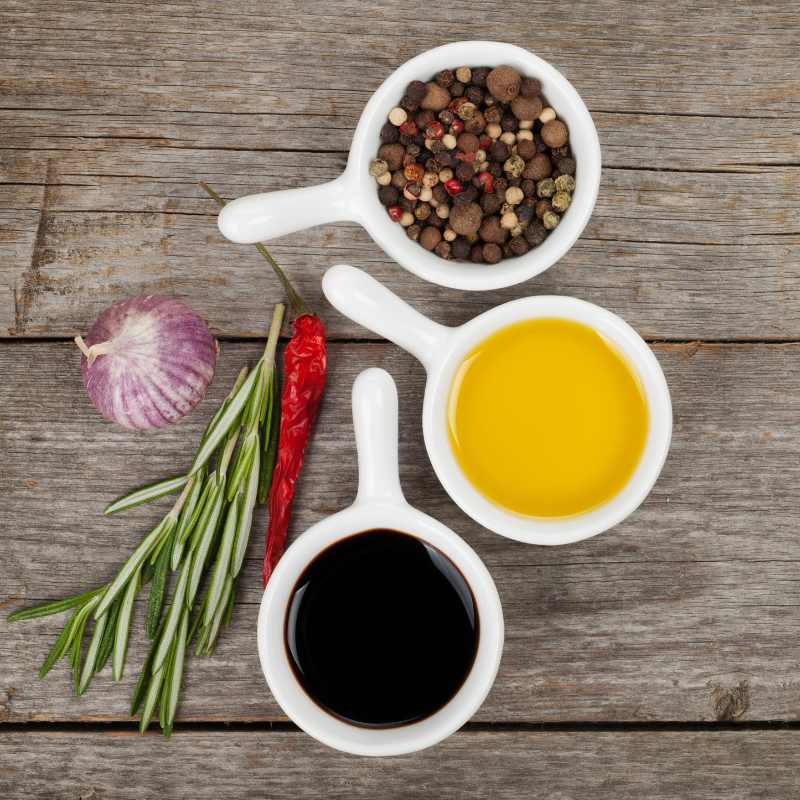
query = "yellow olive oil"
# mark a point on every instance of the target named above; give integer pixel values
(547, 419)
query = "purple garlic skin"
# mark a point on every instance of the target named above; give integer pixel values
(149, 362)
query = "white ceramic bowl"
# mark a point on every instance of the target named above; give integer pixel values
(442, 350)
(353, 195)
(378, 504)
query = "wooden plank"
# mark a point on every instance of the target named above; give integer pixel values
(195, 56)
(85, 139)
(679, 255)
(687, 611)
(505, 766)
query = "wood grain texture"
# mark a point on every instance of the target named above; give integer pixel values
(106, 133)
(687, 611)
(502, 766)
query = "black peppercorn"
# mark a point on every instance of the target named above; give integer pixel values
(495, 170)
(476, 254)
(524, 213)
(469, 195)
(433, 165)
(422, 211)
(500, 186)
(440, 193)
(443, 249)
(436, 221)
(457, 89)
(438, 146)
(409, 104)
(509, 123)
(389, 133)
(445, 78)
(530, 87)
(413, 149)
(535, 233)
(446, 158)
(491, 253)
(424, 118)
(465, 171)
(479, 75)
(459, 248)
(566, 166)
(528, 187)
(493, 114)
(388, 195)
(416, 90)
(413, 231)
(474, 94)
(498, 151)
(491, 203)
(446, 116)
(518, 246)
(405, 203)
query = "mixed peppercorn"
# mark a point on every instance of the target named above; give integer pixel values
(474, 164)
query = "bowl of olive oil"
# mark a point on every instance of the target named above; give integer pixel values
(546, 419)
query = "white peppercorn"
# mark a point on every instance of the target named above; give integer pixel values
(407, 219)
(509, 220)
(449, 141)
(526, 124)
(524, 136)
(514, 195)
(397, 116)
(385, 179)
(445, 175)
(508, 138)
(449, 234)
(493, 130)
(464, 74)
(426, 195)
(443, 212)
(548, 115)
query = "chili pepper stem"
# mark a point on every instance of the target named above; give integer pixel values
(296, 303)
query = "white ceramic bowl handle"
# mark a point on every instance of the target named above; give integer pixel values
(268, 215)
(375, 423)
(369, 303)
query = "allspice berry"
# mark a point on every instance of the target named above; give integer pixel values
(430, 237)
(492, 253)
(492, 231)
(526, 107)
(555, 133)
(504, 82)
(518, 246)
(416, 90)
(460, 249)
(392, 154)
(535, 233)
(538, 167)
(530, 87)
(526, 149)
(465, 219)
(468, 143)
(436, 99)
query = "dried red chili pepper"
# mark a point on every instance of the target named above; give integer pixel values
(304, 366)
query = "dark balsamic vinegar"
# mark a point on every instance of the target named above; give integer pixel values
(381, 629)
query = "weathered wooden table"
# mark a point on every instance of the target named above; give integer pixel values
(656, 661)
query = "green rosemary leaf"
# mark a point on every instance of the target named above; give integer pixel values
(157, 587)
(59, 647)
(56, 607)
(173, 617)
(187, 515)
(123, 627)
(203, 545)
(146, 494)
(151, 698)
(243, 462)
(176, 675)
(142, 682)
(245, 522)
(222, 561)
(91, 653)
(271, 432)
(226, 422)
(107, 645)
(133, 563)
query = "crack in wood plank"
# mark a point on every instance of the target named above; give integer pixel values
(32, 283)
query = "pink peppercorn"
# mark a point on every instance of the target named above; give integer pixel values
(457, 127)
(465, 156)
(395, 212)
(409, 127)
(453, 187)
(485, 143)
(487, 181)
(435, 130)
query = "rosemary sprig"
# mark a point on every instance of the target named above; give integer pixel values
(202, 539)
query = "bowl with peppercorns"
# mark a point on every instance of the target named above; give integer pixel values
(471, 177)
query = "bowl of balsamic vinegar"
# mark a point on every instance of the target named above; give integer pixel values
(380, 631)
